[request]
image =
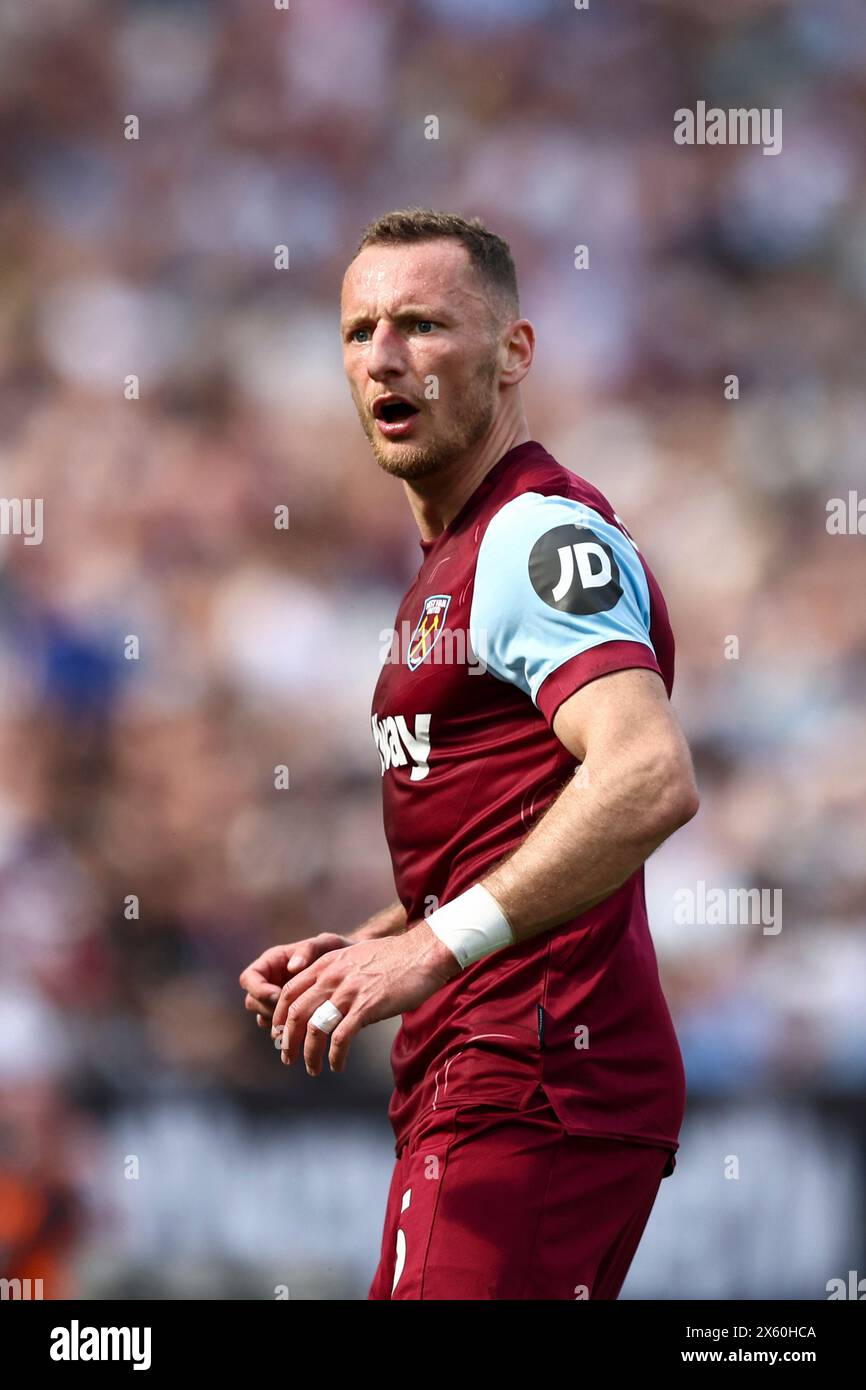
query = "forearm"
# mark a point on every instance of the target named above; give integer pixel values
(593, 837)
(390, 921)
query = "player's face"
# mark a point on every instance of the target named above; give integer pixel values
(417, 324)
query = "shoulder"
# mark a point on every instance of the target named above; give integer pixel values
(539, 475)
(571, 550)
(559, 581)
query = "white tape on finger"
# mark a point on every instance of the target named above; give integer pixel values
(326, 1017)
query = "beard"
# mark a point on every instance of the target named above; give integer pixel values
(455, 437)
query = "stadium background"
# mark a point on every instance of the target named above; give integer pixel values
(123, 1042)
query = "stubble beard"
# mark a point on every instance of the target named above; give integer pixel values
(409, 461)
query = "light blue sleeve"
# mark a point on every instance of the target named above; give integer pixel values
(553, 579)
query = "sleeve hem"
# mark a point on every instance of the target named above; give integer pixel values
(587, 666)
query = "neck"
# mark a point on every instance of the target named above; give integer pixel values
(436, 500)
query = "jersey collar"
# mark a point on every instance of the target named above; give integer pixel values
(488, 482)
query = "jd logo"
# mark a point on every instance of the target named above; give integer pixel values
(574, 571)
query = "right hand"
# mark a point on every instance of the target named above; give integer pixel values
(264, 978)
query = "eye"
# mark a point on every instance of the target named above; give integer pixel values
(424, 326)
(353, 336)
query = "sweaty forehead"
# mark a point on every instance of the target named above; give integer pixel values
(383, 277)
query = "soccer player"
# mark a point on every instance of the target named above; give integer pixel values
(528, 770)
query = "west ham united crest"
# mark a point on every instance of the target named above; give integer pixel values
(428, 629)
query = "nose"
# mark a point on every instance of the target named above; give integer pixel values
(387, 355)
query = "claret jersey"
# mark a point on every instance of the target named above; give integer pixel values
(533, 590)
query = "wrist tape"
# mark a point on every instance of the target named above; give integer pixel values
(472, 926)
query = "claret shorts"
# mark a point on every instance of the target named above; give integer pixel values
(490, 1203)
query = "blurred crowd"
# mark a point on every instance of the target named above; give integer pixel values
(165, 388)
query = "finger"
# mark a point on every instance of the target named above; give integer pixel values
(342, 1037)
(316, 1041)
(297, 1020)
(255, 976)
(268, 971)
(305, 952)
(303, 955)
(293, 990)
(265, 1011)
(255, 983)
(301, 1011)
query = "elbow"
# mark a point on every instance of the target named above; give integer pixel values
(675, 800)
(685, 803)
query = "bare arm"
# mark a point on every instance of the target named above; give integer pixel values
(636, 787)
(391, 921)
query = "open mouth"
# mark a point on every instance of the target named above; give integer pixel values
(393, 408)
(397, 410)
(394, 415)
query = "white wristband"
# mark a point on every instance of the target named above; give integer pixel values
(472, 925)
